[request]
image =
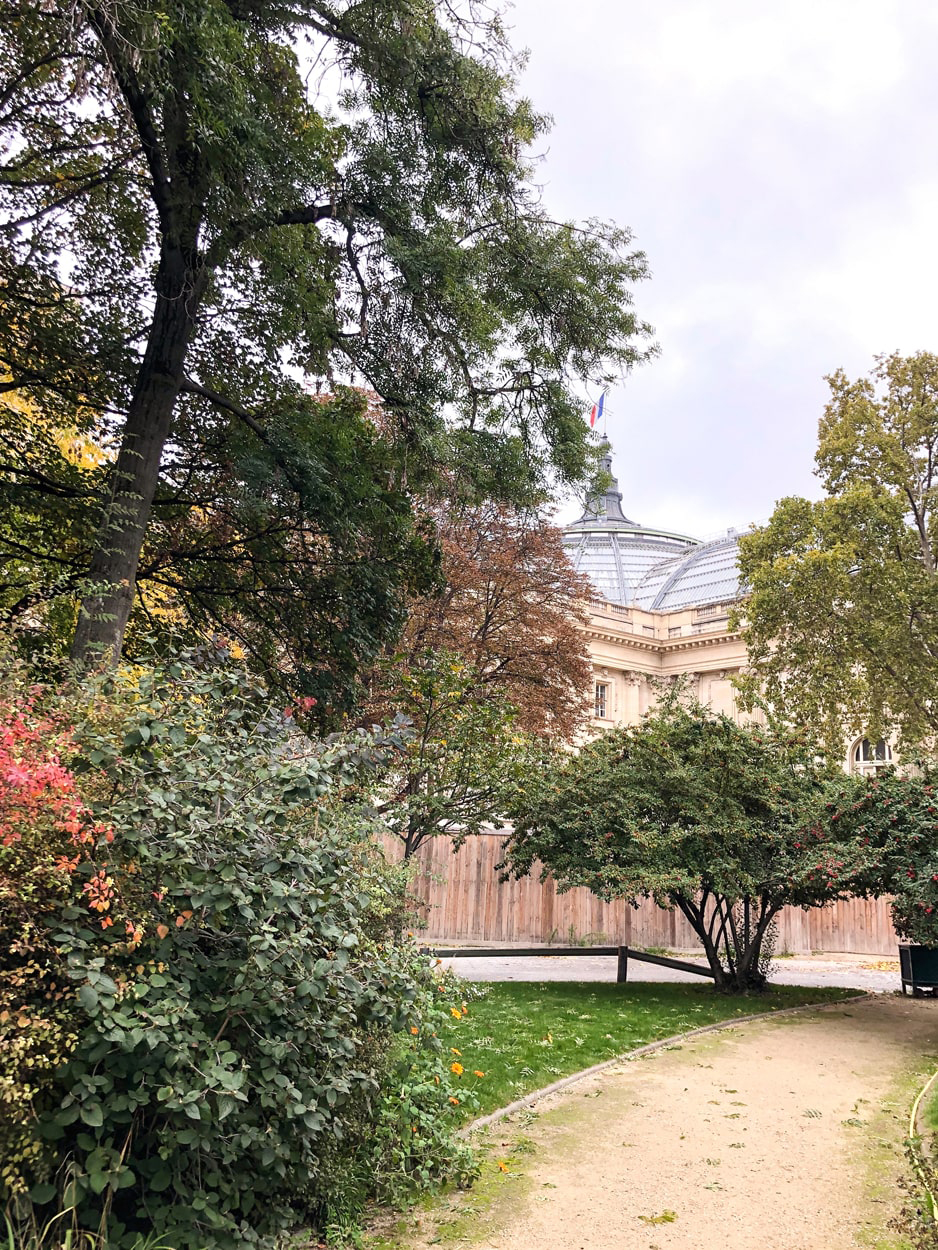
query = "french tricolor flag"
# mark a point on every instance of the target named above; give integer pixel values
(597, 410)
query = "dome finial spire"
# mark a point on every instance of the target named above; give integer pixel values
(605, 506)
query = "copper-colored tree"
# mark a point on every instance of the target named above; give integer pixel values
(487, 666)
(513, 608)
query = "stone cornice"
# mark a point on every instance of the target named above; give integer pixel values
(662, 646)
(642, 644)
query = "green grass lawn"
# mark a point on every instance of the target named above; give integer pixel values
(931, 1109)
(524, 1035)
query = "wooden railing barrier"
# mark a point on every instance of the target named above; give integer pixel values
(622, 953)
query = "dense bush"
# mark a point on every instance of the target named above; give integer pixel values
(896, 818)
(725, 822)
(216, 965)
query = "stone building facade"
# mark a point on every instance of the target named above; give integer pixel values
(661, 610)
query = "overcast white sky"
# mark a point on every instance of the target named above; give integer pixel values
(778, 163)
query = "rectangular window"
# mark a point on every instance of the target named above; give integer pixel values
(601, 690)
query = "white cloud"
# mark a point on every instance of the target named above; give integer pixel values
(777, 164)
(880, 287)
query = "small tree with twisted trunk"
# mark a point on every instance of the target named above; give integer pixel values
(727, 823)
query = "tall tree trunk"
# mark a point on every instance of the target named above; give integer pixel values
(99, 635)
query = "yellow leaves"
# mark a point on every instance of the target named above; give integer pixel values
(78, 449)
(161, 602)
(75, 446)
(666, 1217)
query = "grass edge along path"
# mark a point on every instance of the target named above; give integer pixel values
(515, 1039)
(675, 1040)
(500, 1184)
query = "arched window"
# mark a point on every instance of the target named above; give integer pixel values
(871, 758)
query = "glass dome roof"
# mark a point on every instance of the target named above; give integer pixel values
(631, 564)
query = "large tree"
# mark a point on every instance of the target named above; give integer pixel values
(511, 607)
(493, 660)
(842, 618)
(203, 200)
(727, 823)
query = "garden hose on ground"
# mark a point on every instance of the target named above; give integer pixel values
(914, 1138)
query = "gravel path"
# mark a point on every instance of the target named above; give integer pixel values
(771, 1135)
(873, 973)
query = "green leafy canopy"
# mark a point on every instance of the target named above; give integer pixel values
(205, 200)
(841, 623)
(697, 811)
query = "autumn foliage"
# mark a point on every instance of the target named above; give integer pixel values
(55, 847)
(513, 608)
(487, 668)
(56, 858)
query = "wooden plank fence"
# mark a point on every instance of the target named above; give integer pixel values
(463, 901)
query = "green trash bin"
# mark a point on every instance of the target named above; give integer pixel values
(918, 966)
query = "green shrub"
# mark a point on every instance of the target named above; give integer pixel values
(243, 1010)
(895, 819)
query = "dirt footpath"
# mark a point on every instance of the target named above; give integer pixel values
(775, 1135)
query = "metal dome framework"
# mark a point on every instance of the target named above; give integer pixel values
(658, 570)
